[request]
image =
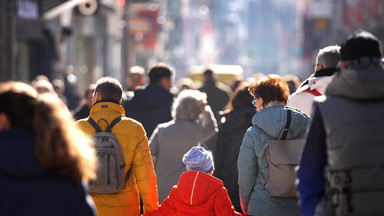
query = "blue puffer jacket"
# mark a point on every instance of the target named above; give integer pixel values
(254, 198)
(150, 106)
(27, 189)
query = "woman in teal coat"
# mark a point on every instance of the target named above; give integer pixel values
(271, 94)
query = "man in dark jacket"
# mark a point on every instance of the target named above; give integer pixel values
(341, 170)
(152, 105)
(217, 93)
(82, 111)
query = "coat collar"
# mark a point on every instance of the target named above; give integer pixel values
(107, 106)
(327, 72)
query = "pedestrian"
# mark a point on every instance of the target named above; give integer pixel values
(193, 123)
(218, 93)
(326, 65)
(233, 124)
(45, 161)
(152, 105)
(82, 111)
(134, 143)
(341, 170)
(270, 98)
(59, 88)
(135, 79)
(197, 192)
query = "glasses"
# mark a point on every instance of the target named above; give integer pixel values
(315, 65)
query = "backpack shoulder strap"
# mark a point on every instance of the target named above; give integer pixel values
(94, 124)
(284, 132)
(313, 91)
(128, 174)
(109, 126)
(115, 121)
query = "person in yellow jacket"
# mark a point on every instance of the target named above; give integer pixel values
(134, 143)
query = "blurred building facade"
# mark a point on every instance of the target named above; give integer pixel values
(77, 39)
(328, 22)
(85, 39)
(261, 36)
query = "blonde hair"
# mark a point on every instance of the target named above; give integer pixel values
(59, 146)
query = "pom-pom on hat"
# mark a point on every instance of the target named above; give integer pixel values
(360, 44)
(198, 159)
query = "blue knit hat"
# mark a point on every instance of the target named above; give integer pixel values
(197, 158)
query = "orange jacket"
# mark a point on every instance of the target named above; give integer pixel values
(134, 142)
(196, 194)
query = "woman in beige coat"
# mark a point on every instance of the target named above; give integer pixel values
(193, 123)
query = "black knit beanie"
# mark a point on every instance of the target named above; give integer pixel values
(360, 44)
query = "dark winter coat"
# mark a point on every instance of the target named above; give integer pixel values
(81, 112)
(346, 136)
(150, 106)
(27, 189)
(217, 95)
(231, 132)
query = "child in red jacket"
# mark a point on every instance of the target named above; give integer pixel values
(198, 192)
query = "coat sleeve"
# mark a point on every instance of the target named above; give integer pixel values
(247, 166)
(166, 208)
(154, 145)
(310, 175)
(144, 173)
(223, 205)
(292, 100)
(208, 122)
(302, 101)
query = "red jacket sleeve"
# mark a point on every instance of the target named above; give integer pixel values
(167, 207)
(223, 205)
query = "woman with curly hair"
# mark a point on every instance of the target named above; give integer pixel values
(45, 160)
(270, 98)
(193, 123)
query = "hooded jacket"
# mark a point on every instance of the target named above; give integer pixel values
(197, 193)
(254, 197)
(134, 144)
(303, 100)
(150, 106)
(345, 139)
(28, 189)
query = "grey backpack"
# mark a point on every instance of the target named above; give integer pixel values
(282, 156)
(111, 166)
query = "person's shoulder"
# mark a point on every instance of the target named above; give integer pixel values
(82, 123)
(130, 122)
(300, 96)
(297, 112)
(128, 126)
